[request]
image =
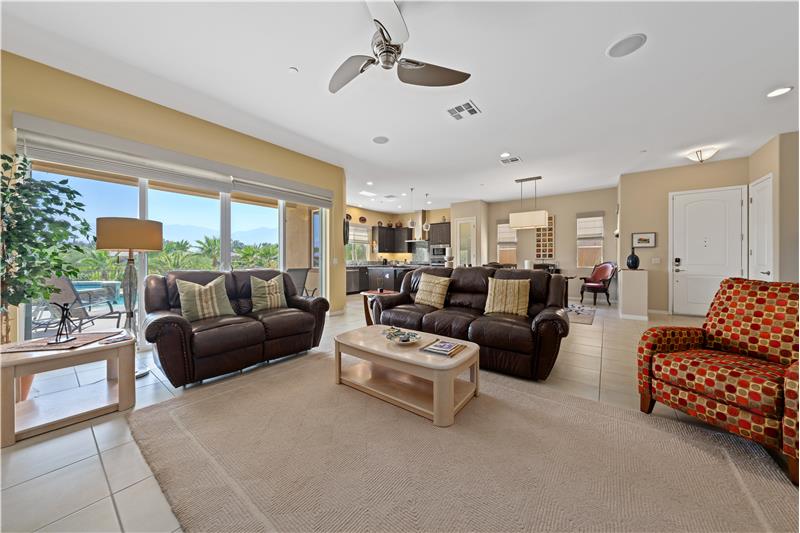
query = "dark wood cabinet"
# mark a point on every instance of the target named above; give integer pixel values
(392, 240)
(439, 233)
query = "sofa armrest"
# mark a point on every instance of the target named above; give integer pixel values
(171, 333)
(790, 408)
(664, 339)
(556, 315)
(382, 302)
(317, 306)
(549, 326)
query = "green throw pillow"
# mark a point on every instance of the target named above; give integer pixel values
(204, 301)
(267, 294)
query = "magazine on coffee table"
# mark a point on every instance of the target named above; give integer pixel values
(447, 348)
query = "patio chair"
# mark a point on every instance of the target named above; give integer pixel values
(81, 312)
(299, 277)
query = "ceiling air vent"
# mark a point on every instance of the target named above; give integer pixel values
(464, 110)
(510, 160)
(390, 196)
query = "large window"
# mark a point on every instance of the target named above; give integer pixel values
(94, 294)
(357, 248)
(590, 240)
(316, 238)
(191, 228)
(254, 232)
(506, 244)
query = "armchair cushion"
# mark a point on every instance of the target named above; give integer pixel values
(664, 339)
(790, 392)
(746, 382)
(755, 318)
(758, 428)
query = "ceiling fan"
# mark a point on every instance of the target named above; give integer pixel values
(387, 46)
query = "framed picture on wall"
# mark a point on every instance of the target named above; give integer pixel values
(643, 240)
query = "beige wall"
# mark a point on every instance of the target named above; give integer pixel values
(34, 88)
(435, 215)
(778, 157)
(789, 207)
(644, 207)
(565, 208)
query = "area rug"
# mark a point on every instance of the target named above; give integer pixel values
(579, 314)
(285, 449)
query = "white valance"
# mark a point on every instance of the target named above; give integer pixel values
(49, 141)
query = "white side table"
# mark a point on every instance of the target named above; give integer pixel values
(20, 420)
(633, 294)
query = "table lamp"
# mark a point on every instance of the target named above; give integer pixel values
(132, 235)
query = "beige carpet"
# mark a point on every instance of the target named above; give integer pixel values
(283, 448)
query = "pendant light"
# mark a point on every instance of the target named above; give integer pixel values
(528, 219)
(412, 223)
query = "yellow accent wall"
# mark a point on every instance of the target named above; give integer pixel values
(37, 89)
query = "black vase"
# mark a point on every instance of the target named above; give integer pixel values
(633, 260)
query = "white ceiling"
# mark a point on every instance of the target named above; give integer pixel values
(539, 74)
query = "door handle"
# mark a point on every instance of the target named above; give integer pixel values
(678, 270)
(767, 273)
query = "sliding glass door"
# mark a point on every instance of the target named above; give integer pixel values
(255, 237)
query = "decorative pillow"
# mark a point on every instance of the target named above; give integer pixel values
(432, 290)
(267, 294)
(508, 296)
(204, 301)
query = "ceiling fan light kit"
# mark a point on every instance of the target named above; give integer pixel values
(387, 47)
(528, 219)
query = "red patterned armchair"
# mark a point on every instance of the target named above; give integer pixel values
(738, 372)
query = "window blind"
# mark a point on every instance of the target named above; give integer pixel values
(506, 234)
(53, 142)
(590, 227)
(359, 234)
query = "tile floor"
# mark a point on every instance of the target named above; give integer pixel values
(92, 477)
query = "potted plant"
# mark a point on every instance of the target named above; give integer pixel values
(41, 221)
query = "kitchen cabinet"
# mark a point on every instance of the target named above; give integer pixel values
(363, 279)
(388, 278)
(351, 280)
(391, 240)
(439, 233)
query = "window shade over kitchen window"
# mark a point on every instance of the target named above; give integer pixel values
(359, 234)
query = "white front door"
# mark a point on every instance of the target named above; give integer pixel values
(760, 225)
(465, 242)
(707, 245)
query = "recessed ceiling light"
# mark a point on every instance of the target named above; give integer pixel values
(359, 205)
(372, 199)
(626, 46)
(294, 70)
(429, 202)
(399, 207)
(369, 183)
(780, 91)
(505, 154)
(380, 139)
(402, 194)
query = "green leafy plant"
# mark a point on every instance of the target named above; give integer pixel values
(41, 224)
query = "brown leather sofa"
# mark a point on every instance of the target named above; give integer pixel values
(524, 346)
(192, 351)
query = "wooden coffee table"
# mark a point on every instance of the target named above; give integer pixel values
(22, 419)
(423, 383)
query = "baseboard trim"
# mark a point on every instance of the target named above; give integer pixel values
(659, 311)
(633, 317)
(336, 313)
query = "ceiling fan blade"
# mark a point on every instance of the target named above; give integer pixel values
(349, 70)
(419, 73)
(388, 19)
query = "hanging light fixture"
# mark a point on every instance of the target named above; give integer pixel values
(528, 219)
(411, 222)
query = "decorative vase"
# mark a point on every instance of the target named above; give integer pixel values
(633, 260)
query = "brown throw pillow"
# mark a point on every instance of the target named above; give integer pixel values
(508, 296)
(432, 290)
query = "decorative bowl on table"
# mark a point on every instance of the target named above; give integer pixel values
(400, 336)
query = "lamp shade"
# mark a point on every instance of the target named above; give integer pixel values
(528, 219)
(123, 234)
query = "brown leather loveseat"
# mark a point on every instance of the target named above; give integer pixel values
(191, 351)
(524, 346)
